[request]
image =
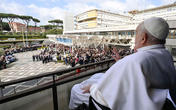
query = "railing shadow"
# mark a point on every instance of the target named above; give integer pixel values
(56, 78)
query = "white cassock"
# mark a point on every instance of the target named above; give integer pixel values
(77, 97)
(137, 82)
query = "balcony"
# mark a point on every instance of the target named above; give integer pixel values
(50, 91)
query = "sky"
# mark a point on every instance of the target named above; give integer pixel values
(46, 10)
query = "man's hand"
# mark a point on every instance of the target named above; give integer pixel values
(86, 89)
(116, 55)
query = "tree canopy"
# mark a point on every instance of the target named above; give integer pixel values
(56, 26)
(57, 21)
(26, 18)
(11, 17)
(47, 26)
(3, 15)
(36, 20)
(5, 26)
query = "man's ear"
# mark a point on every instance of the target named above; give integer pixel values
(144, 38)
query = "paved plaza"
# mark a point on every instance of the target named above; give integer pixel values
(25, 67)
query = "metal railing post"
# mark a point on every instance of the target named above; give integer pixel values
(37, 82)
(14, 89)
(54, 90)
(2, 94)
(1, 89)
(108, 65)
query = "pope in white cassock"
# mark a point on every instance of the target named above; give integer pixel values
(141, 80)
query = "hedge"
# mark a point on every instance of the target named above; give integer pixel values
(4, 37)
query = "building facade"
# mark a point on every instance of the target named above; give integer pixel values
(98, 18)
(19, 27)
(167, 12)
(119, 29)
(95, 21)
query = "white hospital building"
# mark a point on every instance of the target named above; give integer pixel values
(115, 29)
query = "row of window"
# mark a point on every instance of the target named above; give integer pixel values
(161, 11)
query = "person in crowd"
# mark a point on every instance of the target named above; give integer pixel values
(54, 58)
(66, 60)
(3, 61)
(43, 59)
(33, 57)
(73, 57)
(139, 81)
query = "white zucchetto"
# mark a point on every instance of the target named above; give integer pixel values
(157, 27)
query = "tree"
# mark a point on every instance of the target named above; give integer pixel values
(47, 27)
(10, 18)
(5, 26)
(2, 16)
(54, 31)
(26, 20)
(57, 22)
(35, 20)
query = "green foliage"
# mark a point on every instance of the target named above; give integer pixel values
(48, 26)
(2, 51)
(36, 20)
(12, 16)
(54, 31)
(56, 21)
(9, 16)
(5, 37)
(5, 26)
(26, 18)
(4, 46)
(3, 15)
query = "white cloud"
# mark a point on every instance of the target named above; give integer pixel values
(11, 7)
(168, 1)
(113, 6)
(46, 14)
(151, 6)
(48, 0)
(74, 6)
(78, 7)
(138, 4)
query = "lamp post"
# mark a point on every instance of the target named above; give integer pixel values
(23, 36)
(26, 36)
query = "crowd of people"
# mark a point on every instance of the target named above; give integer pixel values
(46, 55)
(21, 49)
(75, 56)
(7, 57)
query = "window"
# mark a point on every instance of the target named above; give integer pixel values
(169, 9)
(123, 33)
(129, 33)
(119, 33)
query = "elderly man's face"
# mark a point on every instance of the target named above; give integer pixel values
(138, 38)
